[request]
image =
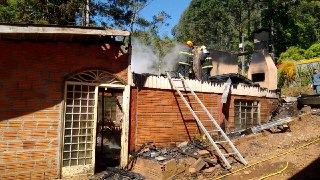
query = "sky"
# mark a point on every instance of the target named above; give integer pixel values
(172, 7)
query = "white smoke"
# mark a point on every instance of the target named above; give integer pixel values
(146, 60)
(170, 60)
(143, 58)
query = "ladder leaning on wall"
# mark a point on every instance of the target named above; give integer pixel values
(180, 84)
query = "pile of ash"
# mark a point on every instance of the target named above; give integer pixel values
(181, 151)
(285, 110)
(112, 173)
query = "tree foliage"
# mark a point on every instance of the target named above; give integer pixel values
(293, 53)
(312, 51)
(121, 13)
(296, 53)
(220, 23)
(61, 12)
(296, 23)
(112, 13)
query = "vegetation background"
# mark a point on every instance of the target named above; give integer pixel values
(294, 26)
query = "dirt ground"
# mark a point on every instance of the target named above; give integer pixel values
(304, 163)
(293, 154)
(296, 91)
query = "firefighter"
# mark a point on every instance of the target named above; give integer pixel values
(186, 60)
(206, 63)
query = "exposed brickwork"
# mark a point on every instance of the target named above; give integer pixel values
(161, 117)
(31, 88)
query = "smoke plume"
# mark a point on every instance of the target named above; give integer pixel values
(145, 59)
(170, 60)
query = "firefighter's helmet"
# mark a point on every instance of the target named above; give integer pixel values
(204, 50)
(190, 43)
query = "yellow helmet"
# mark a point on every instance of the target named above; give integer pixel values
(189, 43)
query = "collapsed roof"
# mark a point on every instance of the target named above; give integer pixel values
(235, 79)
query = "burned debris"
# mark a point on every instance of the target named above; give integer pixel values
(236, 78)
(185, 149)
(112, 173)
(163, 163)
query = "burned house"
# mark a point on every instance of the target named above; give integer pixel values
(64, 100)
(69, 105)
(160, 116)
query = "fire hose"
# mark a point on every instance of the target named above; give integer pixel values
(278, 172)
(272, 157)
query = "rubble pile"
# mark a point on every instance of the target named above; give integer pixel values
(149, 151)
(285, 109)
(188, 158)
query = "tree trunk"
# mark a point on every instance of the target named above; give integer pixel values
(87, 15)
(271, 35)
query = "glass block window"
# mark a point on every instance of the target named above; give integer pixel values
(79, 125)
(246, 114)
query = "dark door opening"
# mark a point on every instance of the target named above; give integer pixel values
(109, 126)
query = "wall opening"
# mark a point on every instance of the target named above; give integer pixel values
(93, 120)
(109, 128)
(258, 77)
(246, 114)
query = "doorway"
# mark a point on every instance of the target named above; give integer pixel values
(109, 128)
(95, 123)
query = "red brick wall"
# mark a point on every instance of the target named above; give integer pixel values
(161, 117)
(31, 90)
